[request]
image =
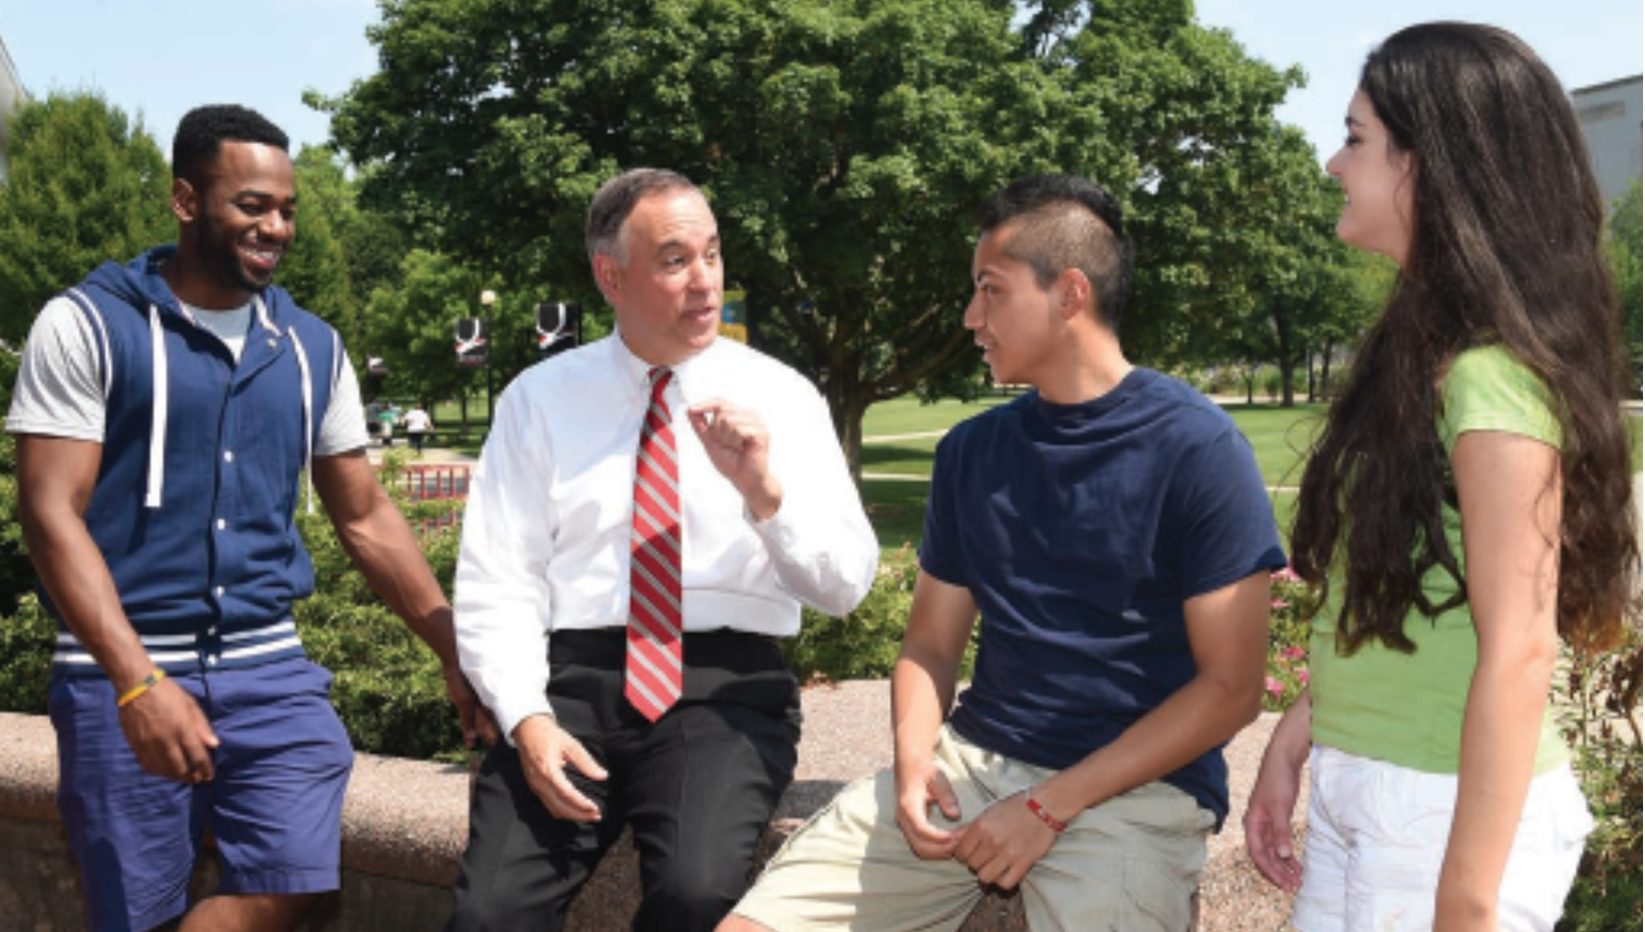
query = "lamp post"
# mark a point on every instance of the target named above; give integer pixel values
(487, 299)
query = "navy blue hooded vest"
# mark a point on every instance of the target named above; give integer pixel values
(201, 466)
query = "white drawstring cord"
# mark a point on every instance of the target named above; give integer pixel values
(159, 378)
(308, 416)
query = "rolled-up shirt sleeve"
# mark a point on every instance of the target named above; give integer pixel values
(502, 601)
(821, 545)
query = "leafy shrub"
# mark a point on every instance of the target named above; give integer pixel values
(16, 573)
(1272, 382)
(1223, 380)
(863, 644)
(26, 640)
(1602, 724)
(1601, 707)
(1288, 627)
(386, 683)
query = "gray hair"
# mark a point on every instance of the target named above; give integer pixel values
(615, 201)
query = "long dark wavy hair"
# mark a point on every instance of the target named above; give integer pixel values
(1505, 249)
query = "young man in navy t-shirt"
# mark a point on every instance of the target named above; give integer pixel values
(1112, 531)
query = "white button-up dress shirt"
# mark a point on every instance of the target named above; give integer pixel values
(545, 543)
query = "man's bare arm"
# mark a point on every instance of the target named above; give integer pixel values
(1228, 634)
(55, 480)
(380, 543)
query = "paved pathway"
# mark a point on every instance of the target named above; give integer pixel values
(441, 456)
(916, 435)
(431, 456)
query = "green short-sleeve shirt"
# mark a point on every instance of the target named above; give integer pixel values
(1407, 708)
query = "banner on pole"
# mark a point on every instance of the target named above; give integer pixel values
(471, 341)
(559, 326)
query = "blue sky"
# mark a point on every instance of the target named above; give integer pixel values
(161, 57)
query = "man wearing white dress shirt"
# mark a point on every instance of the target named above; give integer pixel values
(655, 480)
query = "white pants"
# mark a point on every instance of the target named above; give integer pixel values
(1376, 840)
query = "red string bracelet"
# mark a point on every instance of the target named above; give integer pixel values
(1055, 824)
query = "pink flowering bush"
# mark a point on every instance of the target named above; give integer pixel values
(1287, 673)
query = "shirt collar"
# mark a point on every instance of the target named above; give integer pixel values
(688, 373)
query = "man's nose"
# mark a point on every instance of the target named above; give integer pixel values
(704, 275)
(276, 225)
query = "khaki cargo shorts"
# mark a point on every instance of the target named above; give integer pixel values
(1131, 863)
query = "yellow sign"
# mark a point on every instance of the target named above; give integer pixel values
(734, 316)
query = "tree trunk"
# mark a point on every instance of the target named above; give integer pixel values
(1325, 371)
(848, 400)
(850, 434)
(1308, 361)
(1287, 362)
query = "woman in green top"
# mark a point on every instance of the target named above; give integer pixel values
(1467, 504)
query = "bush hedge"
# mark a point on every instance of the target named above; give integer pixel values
(389, 693)
(387, 686)
(1602, 725)
(16, 576)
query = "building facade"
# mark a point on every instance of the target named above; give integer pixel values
(11, 98)
(1611, 121)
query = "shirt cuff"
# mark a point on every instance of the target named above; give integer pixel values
(512, 711)
(777, 531)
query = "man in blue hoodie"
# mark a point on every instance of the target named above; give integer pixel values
(166, 412)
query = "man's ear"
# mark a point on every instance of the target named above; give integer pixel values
(185, 201)
(606, 277)
(1074, 294)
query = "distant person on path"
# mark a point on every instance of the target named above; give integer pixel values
(165, 412)
(659, 480)
(1111, 529)
(1467, 504)
(417, 423)
(387, 414)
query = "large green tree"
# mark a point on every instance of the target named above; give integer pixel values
(343, 253)
(316, 268)
(843, 143)
(1297, 292)
(409, 327)
(85, 184)
(1622, 243)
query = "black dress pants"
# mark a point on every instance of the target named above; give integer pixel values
(697, 787)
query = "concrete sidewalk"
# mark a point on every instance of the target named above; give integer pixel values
(431, 456)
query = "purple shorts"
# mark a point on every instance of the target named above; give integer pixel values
(274, 807)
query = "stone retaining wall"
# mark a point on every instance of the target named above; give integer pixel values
(405, 823)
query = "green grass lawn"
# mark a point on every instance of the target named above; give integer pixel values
(906, 415)
(897, 511)
(903, 457)
(1284, 505)
(1278, 435)
(1634, 451)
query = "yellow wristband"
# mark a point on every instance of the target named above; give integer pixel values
(147, 683)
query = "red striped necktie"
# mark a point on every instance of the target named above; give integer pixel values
(653, 673)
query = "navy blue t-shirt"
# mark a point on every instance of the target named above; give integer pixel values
(1080, 530)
